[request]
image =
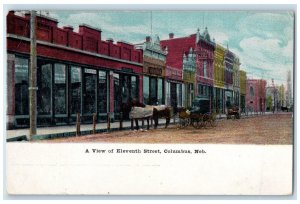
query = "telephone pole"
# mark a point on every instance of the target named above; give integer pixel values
(32, 82)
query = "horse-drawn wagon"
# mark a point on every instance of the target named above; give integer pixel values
(198, 116)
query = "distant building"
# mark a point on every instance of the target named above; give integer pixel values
(256, 95)
(229, 60)
(243, 80)
(236, 81)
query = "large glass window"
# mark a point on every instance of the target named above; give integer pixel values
(146, 89)
(160, 91)
(60, 88)
(126, 86)
(21, 86)
(76, 82)
(152, 91)
(102, 96)
(134, 88)
(179, 94)
(117, 93)
(90, 78)
(44, 81)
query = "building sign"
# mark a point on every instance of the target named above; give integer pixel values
(173, 73)
(90, 71)
(155, 71)
(128, 70)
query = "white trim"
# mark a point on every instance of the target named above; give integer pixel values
(73, 49)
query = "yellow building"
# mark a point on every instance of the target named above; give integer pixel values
(243, 80)
(219, 79)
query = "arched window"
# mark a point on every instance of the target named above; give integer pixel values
(251, 91)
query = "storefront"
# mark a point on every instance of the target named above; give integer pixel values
(70, 80)
(174, 88)
(154, 69)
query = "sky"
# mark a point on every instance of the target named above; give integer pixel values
(264, 41)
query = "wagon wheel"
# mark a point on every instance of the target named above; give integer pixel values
(181, 123)
(198, 122)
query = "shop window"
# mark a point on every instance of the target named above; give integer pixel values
(146, 89)
(44, 80)
(102, 96)
(134, 88)
(76, 83)
(21, 86)
(152, 91)
(117, 93)
(60, 88)
(160, 91)
(90, 78)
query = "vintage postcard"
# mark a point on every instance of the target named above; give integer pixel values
(149, 102)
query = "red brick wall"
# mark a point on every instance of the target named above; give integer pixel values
(87, 38)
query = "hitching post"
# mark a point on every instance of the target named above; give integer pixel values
(94, 123)
(121, 120)
(78, 124)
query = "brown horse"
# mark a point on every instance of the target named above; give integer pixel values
(162, 112)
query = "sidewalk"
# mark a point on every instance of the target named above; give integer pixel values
(85, 129)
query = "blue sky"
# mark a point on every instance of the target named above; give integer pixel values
(262, 40)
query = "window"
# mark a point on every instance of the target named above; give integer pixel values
(117, 93)
(160, 91)
(251, 91)
(76, 90)
(205, 69)
(21, 86)
(44, 81)
(102, 96)
(134, 88)
(146, 89)
(152, 91)
(60, 88)
(90, 78)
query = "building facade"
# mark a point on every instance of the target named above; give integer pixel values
(229, 59)
(154, 71)
(175, 85)
(189, 77)
(205, 66)
(77, 72)
(256, 95)
(219, 79)
(236, 81)
(243, 80)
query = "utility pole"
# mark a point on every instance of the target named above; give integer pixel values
(32, 82)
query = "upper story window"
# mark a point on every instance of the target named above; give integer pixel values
(251, 91)
(205, 69)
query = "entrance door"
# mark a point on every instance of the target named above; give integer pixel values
(90, 84)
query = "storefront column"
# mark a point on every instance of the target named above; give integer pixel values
(140, 89)
(111, 93)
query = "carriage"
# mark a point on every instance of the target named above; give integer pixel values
(233, 111)
(198, 116)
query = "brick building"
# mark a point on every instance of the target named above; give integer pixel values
(77, 72)
(243, 80)
(256, 95)
(219, 79)
(229, 60)
(154, 70)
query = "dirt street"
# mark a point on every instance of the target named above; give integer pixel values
(262, 129)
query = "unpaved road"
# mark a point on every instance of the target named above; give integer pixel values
(261, 129)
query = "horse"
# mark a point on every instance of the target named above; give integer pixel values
(158, 112)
